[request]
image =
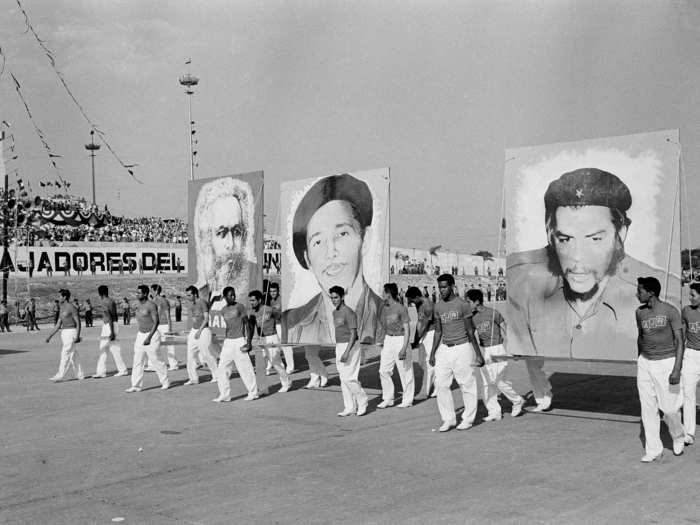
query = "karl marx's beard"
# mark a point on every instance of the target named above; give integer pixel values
(227, 271)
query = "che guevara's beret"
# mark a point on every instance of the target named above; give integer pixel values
(343, 187)
(587, 187)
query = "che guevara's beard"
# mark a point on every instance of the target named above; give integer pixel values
(571, 295)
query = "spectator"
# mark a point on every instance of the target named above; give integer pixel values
(56, 311)
(126, 311)
(178, 309)
(4, 317)
(88, 313)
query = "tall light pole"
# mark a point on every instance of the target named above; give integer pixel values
(92, 148)
(189, 81)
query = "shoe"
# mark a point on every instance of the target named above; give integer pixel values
(80, 378)
(122, 373)
(404, 405)
(543, 407)
(132, 390)
(99, 376)
(55, 379)
(446, 426)
(648, 458)
(268, 372)
(285, 388)
(324, 381)
(251, 397)
(165, 386)
(361, 411)
(190, 382)
(517, 408)
(434, 394)
(174, 367)
(464, 425)
(212, 380)
(221, 399)
(148, 369)
(311, 384)
(678, 446)
(689, 439)
(385, 404)
(493, 417)
(346, 413)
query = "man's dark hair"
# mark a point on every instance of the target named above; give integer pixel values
(227, 289)
(337, 290)
(102, 289)
(156, 288)
(392, 289)
(446, 278)
(64, 293)
(650, 284)
(695, 286)
(143, 288)
(274, 285)
(257, 294)
(475, 295)
(193, 290)
(343, 187)
(413, 292)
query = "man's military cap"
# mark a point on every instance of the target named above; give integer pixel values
(336, 187)
(587, 187)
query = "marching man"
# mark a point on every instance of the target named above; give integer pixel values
(147, 343)
(691, 361)
(396, 349)
(347, 355)
(660, 345)
(199, 338)
(69, 324)
(490, 327)
(425, 334)
(264, 319)
(234, 351)
(108, 336)
(165, 325)
(453, 356)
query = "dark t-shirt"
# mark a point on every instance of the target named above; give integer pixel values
(163, 309)
(488, 323)
(266, 318)
(452, 315)
(344, 320)
(656, 326)
(691, 321)
(234, 317)
(426, 313)
(392, 317)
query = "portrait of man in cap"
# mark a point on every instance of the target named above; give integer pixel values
(575, 297)
(329, 239)
(224, 227)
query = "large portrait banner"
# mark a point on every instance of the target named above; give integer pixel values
(585, 220)
(335, 232)
(226, 237)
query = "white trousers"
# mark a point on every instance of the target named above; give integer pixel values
(424, 359)
(274, 352)
(114, 348)
(354, 396)
(150, 351)
(494, 379)
(388, 358)
(317, 369)
(172, 360)
(691, 375)
(201, 347)
(231, 355)
(455, 362)
(69, 355)
(287, 351)
(541, 387)
(655, 393)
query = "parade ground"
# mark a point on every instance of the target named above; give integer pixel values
(86, 452)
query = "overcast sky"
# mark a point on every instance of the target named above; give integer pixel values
(434, 90)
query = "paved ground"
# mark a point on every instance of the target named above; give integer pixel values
(85, 452)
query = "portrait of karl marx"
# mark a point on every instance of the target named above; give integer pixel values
(576, 297)
(224, 236)
(329, 239)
